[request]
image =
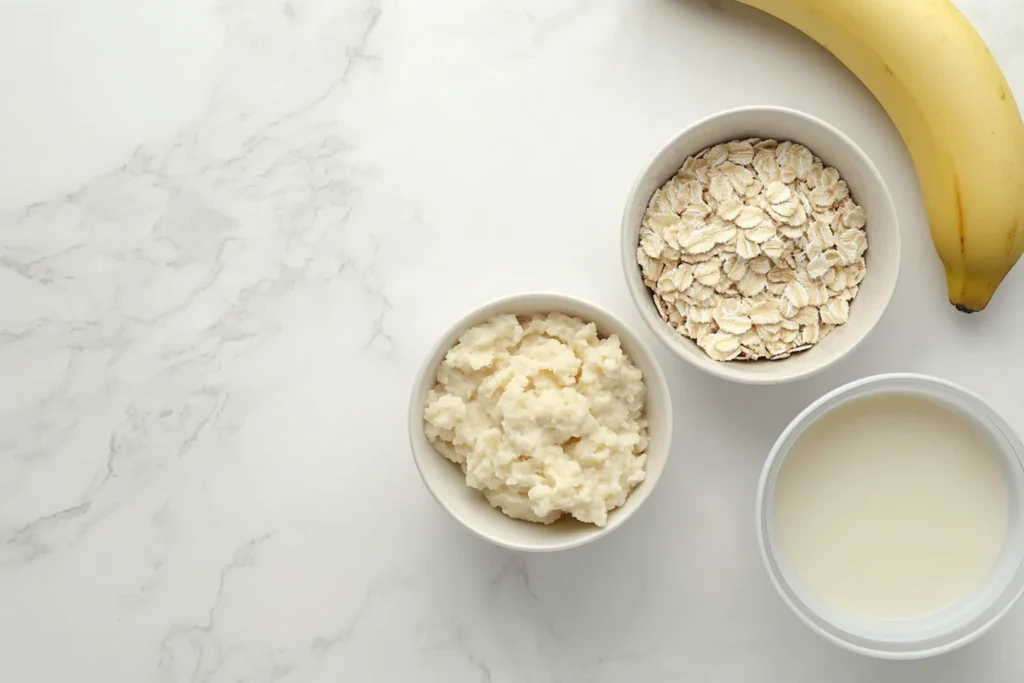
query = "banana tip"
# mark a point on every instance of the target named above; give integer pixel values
(964, 309)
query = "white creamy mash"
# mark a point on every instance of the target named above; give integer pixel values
(544, 416)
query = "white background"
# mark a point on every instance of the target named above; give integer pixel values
(229, 232)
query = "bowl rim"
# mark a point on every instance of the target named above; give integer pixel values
(800, 421)
(665, 334)
(427, 370)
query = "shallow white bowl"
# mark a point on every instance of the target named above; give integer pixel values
(940, 631)
(866, 187)
(446, 481)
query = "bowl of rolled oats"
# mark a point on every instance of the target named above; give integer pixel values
(761, 245)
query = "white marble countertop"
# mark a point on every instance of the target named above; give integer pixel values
(230, 230)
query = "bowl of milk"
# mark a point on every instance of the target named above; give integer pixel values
(889, 515)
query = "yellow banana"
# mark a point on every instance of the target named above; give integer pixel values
(932, 73)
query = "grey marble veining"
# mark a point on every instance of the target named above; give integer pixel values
(221, 269)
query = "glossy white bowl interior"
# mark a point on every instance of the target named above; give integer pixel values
(866, 187)
(446, 481)
(937, 632)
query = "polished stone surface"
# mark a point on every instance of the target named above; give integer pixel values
(229, 232)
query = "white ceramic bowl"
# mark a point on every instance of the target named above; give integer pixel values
(446, 481)
(937, 632)
(867, 188)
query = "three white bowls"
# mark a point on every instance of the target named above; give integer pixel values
(920, 637)
(446, 481)
(929, 634)
(867, 188)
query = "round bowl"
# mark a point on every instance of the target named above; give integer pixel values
(942, 630)
(446, 481)
(867, 188)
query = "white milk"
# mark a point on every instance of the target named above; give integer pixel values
(891, 506)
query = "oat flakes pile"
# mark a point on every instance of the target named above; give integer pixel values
(754, 249)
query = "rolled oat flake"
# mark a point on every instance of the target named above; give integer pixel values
(754, 249)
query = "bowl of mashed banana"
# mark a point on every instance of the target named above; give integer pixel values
(540, 422)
